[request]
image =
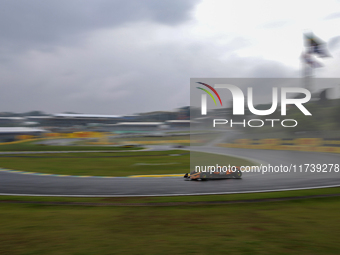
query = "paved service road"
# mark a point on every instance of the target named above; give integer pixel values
(26, 184)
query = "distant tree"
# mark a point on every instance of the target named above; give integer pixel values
(71, 112)
(34, 113)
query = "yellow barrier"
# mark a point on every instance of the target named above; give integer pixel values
(243, 141)
(309, 141)
(161, 141)
(271, 141)
(20, 141)
(24, 137)
(75, 135)
(28, 138)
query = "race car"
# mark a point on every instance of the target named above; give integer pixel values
(202, 176)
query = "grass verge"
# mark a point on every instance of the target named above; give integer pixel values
(110, 164)
(308, 226)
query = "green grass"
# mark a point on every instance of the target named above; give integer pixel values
(31, 146)
(110, 164)
(309, 226)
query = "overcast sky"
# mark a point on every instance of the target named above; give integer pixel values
(130, 56)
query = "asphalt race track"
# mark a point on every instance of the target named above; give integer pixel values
(26, 184)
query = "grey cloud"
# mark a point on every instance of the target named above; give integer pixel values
(128, 74)
(124, 86)
(24, 24)
(265, 69)
(334, 43)
(275, 24)
(335, 15)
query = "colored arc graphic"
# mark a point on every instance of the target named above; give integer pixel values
(212, 90)
(209, 94)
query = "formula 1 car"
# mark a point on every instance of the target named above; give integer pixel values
(203, 176)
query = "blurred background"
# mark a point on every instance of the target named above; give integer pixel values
(93, 91)
(117, 66)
